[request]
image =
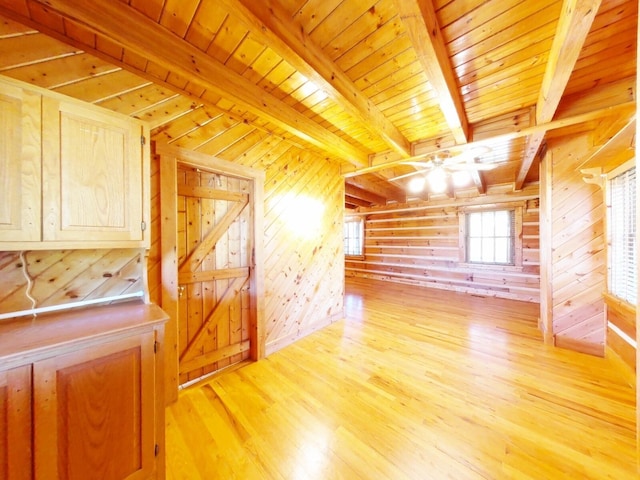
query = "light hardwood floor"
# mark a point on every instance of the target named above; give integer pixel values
(413, 384)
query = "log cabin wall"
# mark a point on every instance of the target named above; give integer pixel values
(574, 260)
(420, 243)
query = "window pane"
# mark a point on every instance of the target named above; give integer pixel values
(502, 251)
(488, 228)
(475, 250)
(503, 223)
(475, 225)
(490, 237)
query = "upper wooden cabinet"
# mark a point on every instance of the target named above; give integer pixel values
(73, 175)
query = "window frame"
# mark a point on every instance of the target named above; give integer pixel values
(354, 219)
(611, 176)
(517, 209)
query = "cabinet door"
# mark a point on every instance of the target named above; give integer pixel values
(15, 424)
(93, 173)
(20, 172)
(94, 412)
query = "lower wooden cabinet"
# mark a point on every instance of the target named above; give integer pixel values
(88, 405)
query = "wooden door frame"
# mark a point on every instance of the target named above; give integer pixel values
(169, 158)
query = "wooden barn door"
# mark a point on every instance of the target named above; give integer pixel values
(212, 264)
(214, 253)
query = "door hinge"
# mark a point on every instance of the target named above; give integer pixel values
(156, 345)
(143, 225)
(143, 140)
(156, 450)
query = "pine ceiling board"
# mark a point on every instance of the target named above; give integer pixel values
(312, 12)
(339, 20)
(277, 76)
(507, 42)
(32, 48)
(187, 123)
(60, 71)
(262, 66)
(240, 150)
(166, 112)
(381, 73)
(246, 53)
(218, 145)
(449, 11)
(515, 35)
(373, 19)
(387, 34)
(150, 8)
(495, 16)
(102, 87)
(205, 25)
(502, 124)
(609, 71)
(9, 28)
(134, 60)
(404, 89)
(409, 71)
(137, 101)
(227, 40)
(207, 132)
(177, 15)
(508, 77)
(496, 87)
(536, 53)
(399, 54)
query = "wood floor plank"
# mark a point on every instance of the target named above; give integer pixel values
(414, 384)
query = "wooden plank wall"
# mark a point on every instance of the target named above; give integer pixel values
(419, 243)
(65, 276)
(621, 334)
(304, 275)
(574, 239)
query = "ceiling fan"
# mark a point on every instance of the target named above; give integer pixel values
(438, 167)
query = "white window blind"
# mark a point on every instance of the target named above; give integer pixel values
(622, 236)
(490, 237)
(353, 237)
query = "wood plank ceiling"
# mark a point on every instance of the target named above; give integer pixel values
(370, 84)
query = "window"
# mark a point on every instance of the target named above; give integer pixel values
(490, 237)
(622, 236)
(353, 237)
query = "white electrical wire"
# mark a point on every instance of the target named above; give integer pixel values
(25, 272)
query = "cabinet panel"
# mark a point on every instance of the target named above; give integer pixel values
(20, 172)
(15, 424)
(92, 174)
(93, 412)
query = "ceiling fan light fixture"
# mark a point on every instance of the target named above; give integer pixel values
(437, 180)
(416, 184)
(460, 178)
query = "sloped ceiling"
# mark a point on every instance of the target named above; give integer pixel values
(370, 84)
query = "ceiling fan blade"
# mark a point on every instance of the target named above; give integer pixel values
(481, 167)
(407, 175)
(427, 164)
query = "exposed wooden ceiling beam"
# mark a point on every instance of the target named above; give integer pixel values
(348, 199)
(357, 192)
(267, 19)
(141, 35)
(626, 109)
(380, 187)
(573, 28)
(419, 18)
